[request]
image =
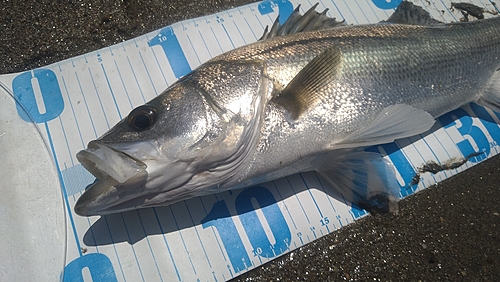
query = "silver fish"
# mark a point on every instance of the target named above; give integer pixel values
(307, 97)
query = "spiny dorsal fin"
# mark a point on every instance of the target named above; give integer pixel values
(408, 13)
(309, 86)
(296, 23)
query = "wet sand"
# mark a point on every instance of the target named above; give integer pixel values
(447, 232)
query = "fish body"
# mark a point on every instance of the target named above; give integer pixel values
(307, 101)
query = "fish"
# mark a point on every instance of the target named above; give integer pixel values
(312, 95)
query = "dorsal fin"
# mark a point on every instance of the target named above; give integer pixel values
(309, 86)
(296, 23)
(408, 13)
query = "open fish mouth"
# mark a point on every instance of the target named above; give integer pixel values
(104, 162)
(113, 169)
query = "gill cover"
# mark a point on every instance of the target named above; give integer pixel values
(235, 94)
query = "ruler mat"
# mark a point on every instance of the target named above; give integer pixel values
(215, 237)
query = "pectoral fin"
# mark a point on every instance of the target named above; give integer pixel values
(311, 84)
(365, 179)
(394, 122)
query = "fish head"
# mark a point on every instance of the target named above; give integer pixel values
(183, 143)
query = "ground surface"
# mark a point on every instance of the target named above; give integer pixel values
(448, 232)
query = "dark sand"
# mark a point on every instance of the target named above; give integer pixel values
(447, 232)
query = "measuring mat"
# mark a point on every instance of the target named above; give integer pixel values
(209, 238)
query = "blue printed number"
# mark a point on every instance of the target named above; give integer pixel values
(284, 6)
(220, 218)
(467, 129)
(487, 120)
(403, 166)
(175, 56)
(99, 266)
(253, 226)
(387, 4)
(50, 104)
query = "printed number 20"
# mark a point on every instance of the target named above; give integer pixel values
(220, 218)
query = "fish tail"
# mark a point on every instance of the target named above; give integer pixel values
(364, 179)
(491, 97)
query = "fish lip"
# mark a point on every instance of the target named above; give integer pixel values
(105, 162)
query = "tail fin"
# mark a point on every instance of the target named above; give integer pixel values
(364, 178)
(491, 97)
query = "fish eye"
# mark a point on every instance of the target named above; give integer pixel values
(141, 118)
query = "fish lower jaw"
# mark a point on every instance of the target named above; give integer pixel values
(108, 196)
(91, 201)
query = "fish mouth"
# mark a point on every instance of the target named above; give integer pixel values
(114, 169)
(107, 196)
(105, 162)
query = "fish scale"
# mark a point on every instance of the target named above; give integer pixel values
(377, 72)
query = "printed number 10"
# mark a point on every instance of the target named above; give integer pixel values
(220, 218)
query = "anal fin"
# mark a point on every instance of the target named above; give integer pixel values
(365, 179)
